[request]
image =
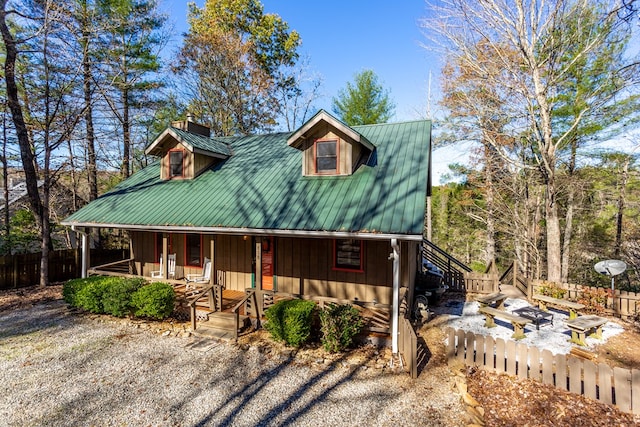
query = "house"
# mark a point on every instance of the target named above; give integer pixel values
(328, 211)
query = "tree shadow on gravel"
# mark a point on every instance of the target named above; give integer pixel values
(36, 318)
(250, 395)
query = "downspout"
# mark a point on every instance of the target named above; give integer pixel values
(396, 295)
(85, 251)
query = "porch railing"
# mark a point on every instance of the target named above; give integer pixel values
(125, 267)
(251, 295)
(214, 294)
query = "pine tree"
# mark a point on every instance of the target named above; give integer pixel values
(364, 102)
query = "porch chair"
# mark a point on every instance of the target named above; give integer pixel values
(194, 279)
(171, 262)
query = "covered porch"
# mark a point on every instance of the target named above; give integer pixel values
(239, 290)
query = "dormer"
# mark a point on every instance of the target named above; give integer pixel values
(329, 146)
(186, 149)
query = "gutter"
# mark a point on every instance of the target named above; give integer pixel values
(253, 231)
(395, 255)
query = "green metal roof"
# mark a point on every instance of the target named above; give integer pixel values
(213, 145)
(261, 187)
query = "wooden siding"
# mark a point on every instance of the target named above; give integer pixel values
(187, 160)
(194, 163)
(301, 266)
(200, 163)
(345, 152)
(305, 266)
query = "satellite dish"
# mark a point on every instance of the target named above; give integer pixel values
(611, 267)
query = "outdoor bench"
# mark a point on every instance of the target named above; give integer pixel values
(496, 298)
(570, 306)
(585, 325)
(517, 321)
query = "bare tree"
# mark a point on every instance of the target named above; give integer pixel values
(536, 50)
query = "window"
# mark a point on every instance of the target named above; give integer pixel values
(193, 248)
(176, 167)
(326, 156)
(347, 255)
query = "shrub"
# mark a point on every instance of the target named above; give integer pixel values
(116, 299)
(594, 299)
(552, 290)
(290, 321)
(89, 298)
(339, 324)
(71, 288)
(156, 300)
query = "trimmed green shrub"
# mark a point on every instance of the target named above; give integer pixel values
(89, 298)
(116, 299)
(290, 321)
(339, 324)
(156, 300)
(71, 288)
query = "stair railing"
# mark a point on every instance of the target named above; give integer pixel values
(251, 294)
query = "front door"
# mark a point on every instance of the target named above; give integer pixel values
(268, 252)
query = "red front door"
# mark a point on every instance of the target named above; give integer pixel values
(267, 263)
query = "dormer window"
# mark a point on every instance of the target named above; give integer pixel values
(176, 164)
(326, 156)
(330, 147)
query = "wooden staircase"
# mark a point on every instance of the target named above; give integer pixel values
(220, 325)
(453, 269)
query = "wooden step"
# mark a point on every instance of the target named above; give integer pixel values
(222, 320)
(221, 326)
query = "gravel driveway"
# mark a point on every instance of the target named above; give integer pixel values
(63, 369)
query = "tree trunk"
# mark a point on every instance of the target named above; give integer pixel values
(490, 248)
(126, 131)
(553, 233)
(26, 152)
(92, 170)
(621, 205)
(5, 173)
(568, 232)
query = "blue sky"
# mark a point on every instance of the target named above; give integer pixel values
(345, 37)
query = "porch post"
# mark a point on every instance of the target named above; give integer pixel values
(212, 252)
(165, 255)
(258, 263)
(396, 295)
(86, 252)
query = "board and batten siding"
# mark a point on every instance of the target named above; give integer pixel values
(305, 266)
(348, 153)
(302, 265)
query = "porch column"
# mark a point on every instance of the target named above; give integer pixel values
(86, 253)
(395, 308)
(258, 280)
(165, 255)
(212, 252)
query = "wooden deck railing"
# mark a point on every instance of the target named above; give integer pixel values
(251, 295)
(215, 303)
(453, 269)
(515, 277)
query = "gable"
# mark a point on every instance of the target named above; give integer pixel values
(329, 146)
(198, 152)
